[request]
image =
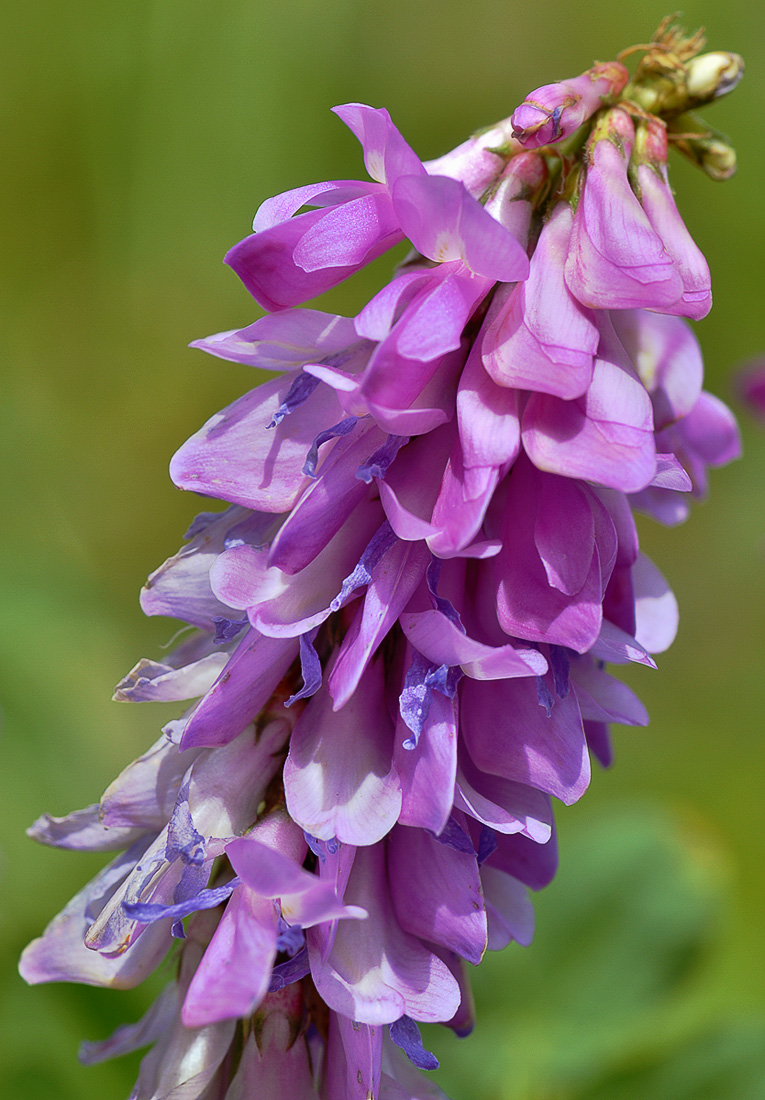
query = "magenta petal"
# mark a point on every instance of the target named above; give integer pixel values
(508, 733)
(327, 503)
(543, 339)
(436, 892)
(616, 260)
(427, 771)
(265, 261)
(503, 804)
(527, 606)
(241, 691)
(534, 864)
(377, 972)
(487, 416)
(444, 222)
(236, 457)
(386, 154)
(438, 639)
(338, 783)
(394, 579)
(606, 436)
(305, 898)
(602, 698)
(349, 235)
(433, 324)
(234, 973)
(659, 206)
(354, 1051)
(280, 208)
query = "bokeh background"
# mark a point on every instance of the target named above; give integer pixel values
(138, 139)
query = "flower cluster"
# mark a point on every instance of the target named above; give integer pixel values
(400, 625)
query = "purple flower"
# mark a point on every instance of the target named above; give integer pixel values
(398, 628)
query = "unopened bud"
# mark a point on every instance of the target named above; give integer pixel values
(707, 148)
(711, 75)
(554, 111)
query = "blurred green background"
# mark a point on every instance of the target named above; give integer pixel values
(138, 140)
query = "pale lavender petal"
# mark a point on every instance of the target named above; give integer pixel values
(656, 608)
(508, 908)
(132, 1037)
(666, 356)
(284, 605)
(618, 647)
(338, 783)
(711, 430)
(145, 792)
(82, 830)
(163, 683)
(236, 458)
(377, 972)
(180, 587)
(60, 953)
(285, 341)
(602, 698)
